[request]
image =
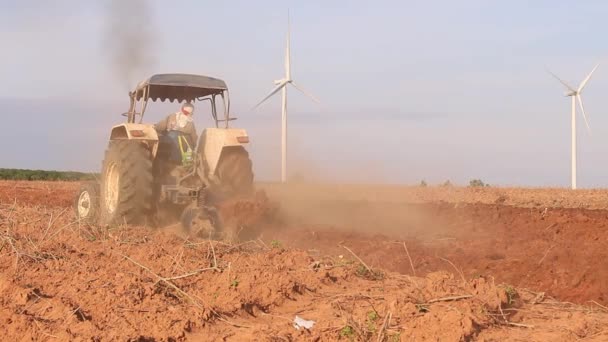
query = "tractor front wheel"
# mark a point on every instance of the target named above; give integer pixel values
(87, 203)
(202, 222)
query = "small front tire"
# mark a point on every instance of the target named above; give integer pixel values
(202, 222)
(86, 203)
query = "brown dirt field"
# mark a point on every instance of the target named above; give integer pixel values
(484, 272)
(519, 197)
(561, 251)
(51, 194)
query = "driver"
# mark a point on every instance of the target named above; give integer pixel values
(180, 121)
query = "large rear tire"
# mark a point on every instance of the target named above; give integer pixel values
(235, 172)
(126, 183)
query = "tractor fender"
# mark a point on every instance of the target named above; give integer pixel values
(132, 131)
(214, 141)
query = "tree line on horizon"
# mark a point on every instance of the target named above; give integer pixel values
(45, 175)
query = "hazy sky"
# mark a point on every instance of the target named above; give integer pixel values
(410, 90)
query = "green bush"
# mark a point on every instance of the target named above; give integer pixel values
(43, 175)
(477, 183)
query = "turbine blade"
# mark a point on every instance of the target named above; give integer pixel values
(274, 91)
(580, 103)
(561, 81)
(305, 92)
(288, 51)
(584, 83)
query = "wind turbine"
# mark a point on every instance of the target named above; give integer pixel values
(282, 86)
(575, 94)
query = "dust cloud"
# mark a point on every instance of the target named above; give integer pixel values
(347, 195)
(128, 39)
(369, 209)
(304, 166)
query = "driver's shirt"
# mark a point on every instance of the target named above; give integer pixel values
(170, 124)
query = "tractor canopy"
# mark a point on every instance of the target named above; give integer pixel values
(180, 88)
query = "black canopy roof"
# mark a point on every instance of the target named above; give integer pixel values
(180, 87)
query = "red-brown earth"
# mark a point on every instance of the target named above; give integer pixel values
(483, 265)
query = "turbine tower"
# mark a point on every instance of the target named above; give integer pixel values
(282, 86)
(575, 94)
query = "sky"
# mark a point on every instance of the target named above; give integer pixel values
(409, 90)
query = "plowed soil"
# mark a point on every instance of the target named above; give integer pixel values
(384, 267)
(49, 194)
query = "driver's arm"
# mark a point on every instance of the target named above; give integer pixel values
(161, 126)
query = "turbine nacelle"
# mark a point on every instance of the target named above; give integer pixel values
(281, 81)
(570, 93)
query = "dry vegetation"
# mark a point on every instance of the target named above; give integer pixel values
(452, 274)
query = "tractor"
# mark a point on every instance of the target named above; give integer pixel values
(140, 177)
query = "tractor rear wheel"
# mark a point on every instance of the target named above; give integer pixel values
(235, 172)
(126, 183)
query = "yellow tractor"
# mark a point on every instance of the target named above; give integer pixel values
(140, 178)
